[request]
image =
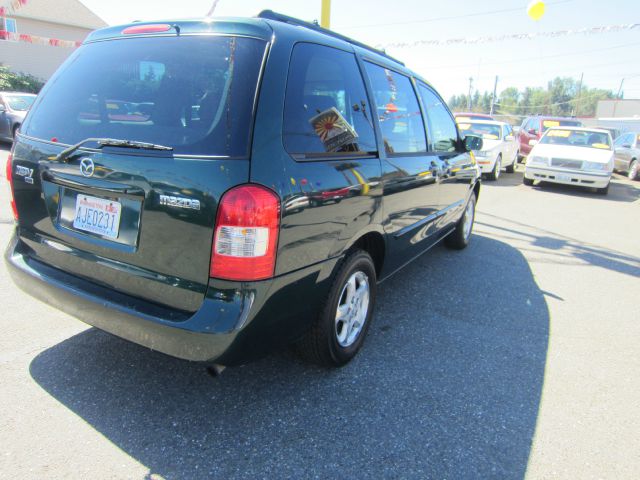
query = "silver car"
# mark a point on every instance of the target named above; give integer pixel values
(627, 156)
(13, 108)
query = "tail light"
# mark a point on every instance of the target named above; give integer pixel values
(246, 236)
(9, 174)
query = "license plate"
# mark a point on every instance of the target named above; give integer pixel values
(97, 215)
(563, 178)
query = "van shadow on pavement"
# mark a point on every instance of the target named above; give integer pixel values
(448, 385)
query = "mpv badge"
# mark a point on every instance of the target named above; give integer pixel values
(86, 167)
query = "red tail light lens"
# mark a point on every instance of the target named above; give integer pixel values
(9, 174)
(246, 236)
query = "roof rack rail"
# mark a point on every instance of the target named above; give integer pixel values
(279, 17)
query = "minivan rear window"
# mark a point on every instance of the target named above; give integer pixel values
(192, 93)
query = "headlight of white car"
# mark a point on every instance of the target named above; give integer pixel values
(597, 166)
(535, 160)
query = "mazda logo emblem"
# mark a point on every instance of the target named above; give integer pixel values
(86, 167)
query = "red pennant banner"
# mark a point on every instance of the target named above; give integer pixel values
(37, 40)
(7, 8)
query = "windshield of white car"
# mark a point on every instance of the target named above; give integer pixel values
(485, 130)
(20, 103)
(577, 138)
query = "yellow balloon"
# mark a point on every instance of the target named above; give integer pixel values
(535, 10)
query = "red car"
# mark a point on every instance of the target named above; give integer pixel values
(533, 127)
(464, 116)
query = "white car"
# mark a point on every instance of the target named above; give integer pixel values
(499, 145)
(572, 156)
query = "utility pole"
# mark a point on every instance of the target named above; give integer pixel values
(576, 107)
(325, 19)
(493, 98)
(213, 7)
(469, 97)
(615, 102)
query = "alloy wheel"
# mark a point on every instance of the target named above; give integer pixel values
(352, 310)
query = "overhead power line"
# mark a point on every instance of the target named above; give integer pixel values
(531, 107)
(529, 59)
(513, 36)
(442, 19)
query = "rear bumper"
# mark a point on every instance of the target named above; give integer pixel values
(237, 322)
(568, 177)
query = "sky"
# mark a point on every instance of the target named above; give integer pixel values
(604, 59)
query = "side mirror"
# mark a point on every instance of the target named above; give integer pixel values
(533, 142)
(472, 142)
(626, 145)
(532, 131)
(2, 108)
(509, 138)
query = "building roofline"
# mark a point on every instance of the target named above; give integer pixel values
(47, 20)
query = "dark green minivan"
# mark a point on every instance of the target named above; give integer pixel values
(213, 189)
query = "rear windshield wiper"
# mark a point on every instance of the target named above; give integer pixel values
(109, 142)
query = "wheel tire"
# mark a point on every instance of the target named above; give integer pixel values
(512, 168)
(527, 181)
(634, 170)
(495, 173)
(603, 191)
(459, 238)
(322, 344)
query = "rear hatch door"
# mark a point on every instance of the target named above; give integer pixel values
(134, 217)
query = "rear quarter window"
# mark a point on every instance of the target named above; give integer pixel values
(192, 93)
(326, 110)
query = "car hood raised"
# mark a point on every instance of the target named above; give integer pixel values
(577, 153)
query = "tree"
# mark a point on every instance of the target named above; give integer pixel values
(560, 97)
(508, 100)
(19, 81)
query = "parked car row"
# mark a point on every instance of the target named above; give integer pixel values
(626, 145)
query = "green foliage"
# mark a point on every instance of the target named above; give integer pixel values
(19, 82)
(562, 97)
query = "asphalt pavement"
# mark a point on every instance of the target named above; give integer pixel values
(517, 357)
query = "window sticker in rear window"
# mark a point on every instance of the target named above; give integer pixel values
(550, 123)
